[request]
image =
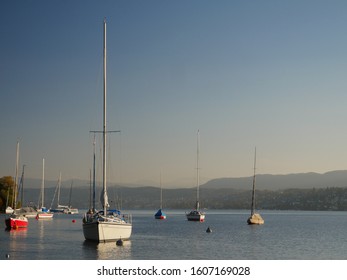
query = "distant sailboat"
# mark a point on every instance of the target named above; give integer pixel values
(70, 209)
(255, 218)
(43, 212)
(160, 215)
(197, 215)
(106, 225)
(59, 208)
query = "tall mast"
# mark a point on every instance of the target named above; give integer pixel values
(94, 175)
(197, 171)
(22, 186)
(104, 135)
(15, 188)
(59, 186)
(161, 193)
(90, 190)
(43, 183)
(253, 192)
(104, 126)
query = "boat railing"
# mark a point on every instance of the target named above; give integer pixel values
(99, 215)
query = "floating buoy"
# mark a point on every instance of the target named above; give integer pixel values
(74, 221)
(119, 242)
(209, 230)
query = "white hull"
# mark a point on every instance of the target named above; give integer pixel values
(106, 231)
(44, 216)
(30, 215)
(71, 211)
(255, 219)
(196, 216)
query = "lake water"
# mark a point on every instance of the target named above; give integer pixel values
(295, 235)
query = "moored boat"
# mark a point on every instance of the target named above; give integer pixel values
(105, 225)
(15, 221)
(71, 211)
(196, 215)
(255, 218)
(43, 213)
(160, 215)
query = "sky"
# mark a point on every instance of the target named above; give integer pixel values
(265, 74)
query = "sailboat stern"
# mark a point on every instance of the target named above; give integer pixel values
(103, 228)
(196, 216)
(106, 231)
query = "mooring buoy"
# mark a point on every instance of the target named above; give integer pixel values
(119, 242)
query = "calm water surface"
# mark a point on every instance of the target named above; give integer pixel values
(285, 235)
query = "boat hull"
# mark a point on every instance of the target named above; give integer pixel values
(162, 217)
(42, 216)
(196, 216)
(72, 211)
(106, 231)
(16, 222)
(255, 219)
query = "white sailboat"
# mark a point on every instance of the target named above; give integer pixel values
(196, 215)
(71, 210)
(255, 218)
(43, 212)
(106, 225)
(59, 208)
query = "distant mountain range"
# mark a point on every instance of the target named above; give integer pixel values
(292, 191)
(336, 178)
(279, 182)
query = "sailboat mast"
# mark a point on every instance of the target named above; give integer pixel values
(161, 193)
(94, 175)
(70, 194)
(59, 186)
(22, 185)
(253, 191)
(43, 183)
(197, 171)
(16, 177)
(104, 126)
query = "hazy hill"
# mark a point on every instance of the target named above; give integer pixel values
(263, 181)
(293, 191)
(280, 182)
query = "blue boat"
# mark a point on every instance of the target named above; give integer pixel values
(160, 215)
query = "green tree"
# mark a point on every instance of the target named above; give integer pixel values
(6, 192)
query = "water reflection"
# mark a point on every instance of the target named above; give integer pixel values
(17, 242)
(107, 251)
(17, 232)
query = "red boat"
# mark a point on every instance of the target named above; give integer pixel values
(16, 221)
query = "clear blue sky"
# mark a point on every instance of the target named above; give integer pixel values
(270, 74)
